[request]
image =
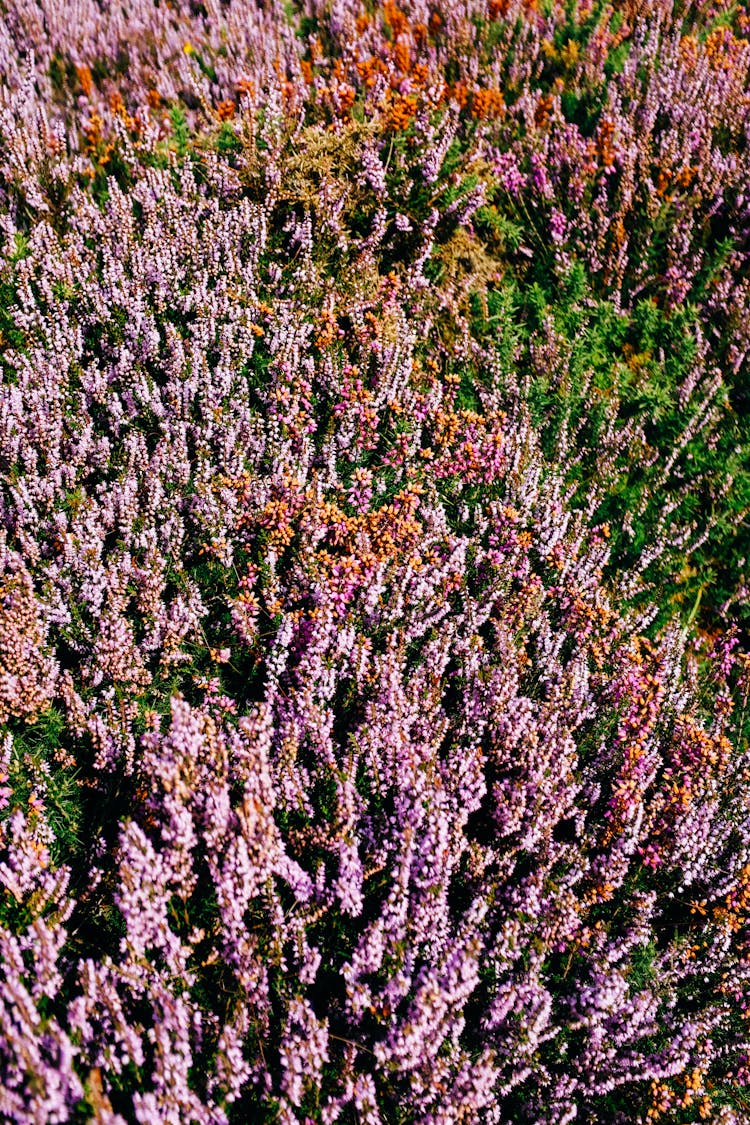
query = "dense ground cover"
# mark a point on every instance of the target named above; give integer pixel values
(374, 461)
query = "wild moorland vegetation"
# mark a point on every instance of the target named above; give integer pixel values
(374, 482)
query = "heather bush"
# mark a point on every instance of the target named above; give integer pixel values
(364, 485)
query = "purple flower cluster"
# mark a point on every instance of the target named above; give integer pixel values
(387, 810)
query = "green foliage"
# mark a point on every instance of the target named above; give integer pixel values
(227, 141)
(592, 375)
(180, 130)
(641, 972)
(40, 769)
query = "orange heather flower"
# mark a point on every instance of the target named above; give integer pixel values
(395, 19)
(401, 112)
(86, 81)
(487, 103)
(226, 110)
